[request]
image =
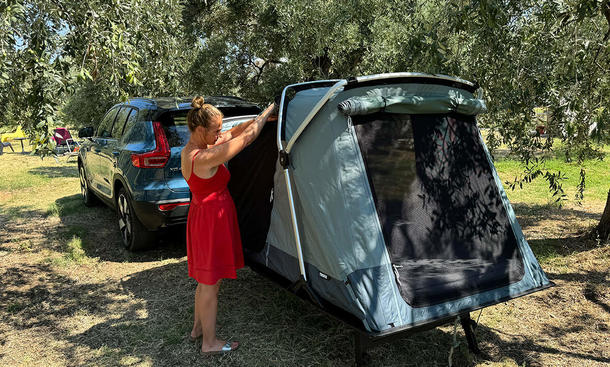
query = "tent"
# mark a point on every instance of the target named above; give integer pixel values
(377, 196)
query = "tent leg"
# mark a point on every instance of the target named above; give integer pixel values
(468, 325)
(361, 344)
(301, 283)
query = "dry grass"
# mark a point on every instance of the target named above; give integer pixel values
(71, 296)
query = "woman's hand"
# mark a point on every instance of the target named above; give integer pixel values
(270, 110)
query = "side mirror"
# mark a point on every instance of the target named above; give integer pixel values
(85, 132)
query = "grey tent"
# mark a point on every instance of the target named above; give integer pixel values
(377, 196)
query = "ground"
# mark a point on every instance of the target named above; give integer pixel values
(70, 294)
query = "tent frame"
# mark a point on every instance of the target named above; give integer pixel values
(284, 158)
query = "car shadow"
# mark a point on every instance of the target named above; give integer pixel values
(97, 227)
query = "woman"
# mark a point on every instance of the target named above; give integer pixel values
(213, 242)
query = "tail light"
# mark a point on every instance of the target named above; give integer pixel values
(158, 157)
(170, 206)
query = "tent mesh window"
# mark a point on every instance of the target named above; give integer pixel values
(442, 217)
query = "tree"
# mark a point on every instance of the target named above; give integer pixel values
(524, 54)
(91, 53)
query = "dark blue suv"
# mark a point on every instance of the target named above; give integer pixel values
(132, 162)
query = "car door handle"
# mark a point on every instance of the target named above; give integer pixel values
(115, 155)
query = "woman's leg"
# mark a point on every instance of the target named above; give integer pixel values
(196, 332)
(208, 309)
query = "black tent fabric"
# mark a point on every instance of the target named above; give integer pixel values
(251, 187)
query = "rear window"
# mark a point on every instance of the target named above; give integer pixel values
(177, 131)
(175, 127)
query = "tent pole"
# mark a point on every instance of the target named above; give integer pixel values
(284, 160)
(295, 225)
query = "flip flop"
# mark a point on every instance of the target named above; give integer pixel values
(225, 349)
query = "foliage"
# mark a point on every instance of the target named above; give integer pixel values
(80, 57)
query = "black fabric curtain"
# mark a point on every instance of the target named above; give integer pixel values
(251, 184)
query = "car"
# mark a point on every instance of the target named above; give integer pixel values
(132, 162)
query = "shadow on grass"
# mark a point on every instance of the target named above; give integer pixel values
(145, 317)
(11, 213)
(546, 249)
(101, 237)
(531, 215)
(595, 287)
(526, 350)
(55, 172)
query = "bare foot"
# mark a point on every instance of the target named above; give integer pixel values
(195, 334)
(218, 346)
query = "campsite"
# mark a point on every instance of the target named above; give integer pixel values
(381, 183)
(70, 289)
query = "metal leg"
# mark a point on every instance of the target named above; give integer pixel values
(468, 326)
(361, 344)
(302, 284)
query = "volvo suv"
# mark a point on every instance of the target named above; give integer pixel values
(132, 162)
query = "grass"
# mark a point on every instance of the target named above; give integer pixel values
(69, 288)
(537, 192)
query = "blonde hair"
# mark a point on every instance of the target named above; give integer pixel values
(201, 114)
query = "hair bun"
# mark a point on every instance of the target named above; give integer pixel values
(197, 102)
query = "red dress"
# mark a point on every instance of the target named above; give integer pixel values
(213, 242)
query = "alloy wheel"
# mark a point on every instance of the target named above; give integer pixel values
(84, 188)
(124, 219)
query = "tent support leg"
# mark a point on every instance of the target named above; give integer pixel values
(361, 344)
(301, 283)
(468, 325)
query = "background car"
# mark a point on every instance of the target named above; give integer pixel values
(132, 162)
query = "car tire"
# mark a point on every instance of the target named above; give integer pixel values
(134, 235)
(88, 196)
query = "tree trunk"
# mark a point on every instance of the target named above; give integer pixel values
(603, 228)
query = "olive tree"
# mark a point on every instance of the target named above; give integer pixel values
(70, 60)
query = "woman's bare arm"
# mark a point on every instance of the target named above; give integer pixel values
(234, 132)
(221, 153)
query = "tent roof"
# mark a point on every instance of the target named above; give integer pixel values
(436, 93)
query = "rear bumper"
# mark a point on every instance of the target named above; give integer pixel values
(153, 218)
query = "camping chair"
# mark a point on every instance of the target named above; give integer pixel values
(5, 144)
(64, 142)
(73, 149)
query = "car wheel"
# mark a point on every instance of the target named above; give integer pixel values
(85, 191)
(134, 235)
